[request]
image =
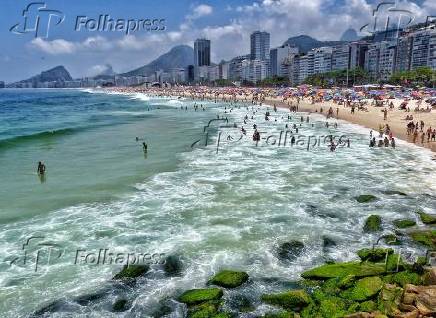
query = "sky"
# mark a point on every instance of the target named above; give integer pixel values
(227, 23)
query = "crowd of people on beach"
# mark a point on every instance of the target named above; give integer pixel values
(324, 101)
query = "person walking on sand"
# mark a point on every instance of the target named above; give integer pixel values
(337, 112)
(385, 114)
(422, 137)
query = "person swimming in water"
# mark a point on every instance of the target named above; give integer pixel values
(144, 147)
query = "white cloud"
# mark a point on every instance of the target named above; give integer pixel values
(201, 11)
(55, 47)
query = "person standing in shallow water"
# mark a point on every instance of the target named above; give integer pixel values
(41, 168)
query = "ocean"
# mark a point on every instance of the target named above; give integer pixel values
(203, 192)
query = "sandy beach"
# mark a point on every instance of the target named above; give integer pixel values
(372, 117)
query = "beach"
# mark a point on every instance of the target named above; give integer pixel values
(372, 117)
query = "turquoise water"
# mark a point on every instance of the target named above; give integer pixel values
(214, 210)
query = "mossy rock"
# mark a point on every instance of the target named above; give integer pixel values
(119, 305)
(333, 307)
(374, 255)
(389, 299)
(404, 223)
(131, 272)
(403, 278)
(290, 250)
(293, 299)
(311, 311)
(281, 314)
(342, 269)
(197, 296)
(372, 224)
(365, 198)
(229, 279)
(223, 315)
(394, 263)
(346, 281)
(204, 310)
(368, 306)
(427, 218)
(364, 289)
(426, 237)
(391, 239)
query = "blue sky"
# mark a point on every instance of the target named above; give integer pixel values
(227, 23)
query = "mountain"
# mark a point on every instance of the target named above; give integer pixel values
(104, 71)
(305, 43)
(349, 35)
(178, 57)
(55, 74)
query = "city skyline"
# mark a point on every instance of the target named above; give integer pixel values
(224, 23)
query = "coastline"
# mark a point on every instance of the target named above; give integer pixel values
(371, 119)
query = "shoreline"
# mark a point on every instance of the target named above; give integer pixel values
(371, 119)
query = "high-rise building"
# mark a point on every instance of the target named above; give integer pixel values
(278, 57)
(235, 67)
(403, 54)
(254, 70)
(259, 45)
(322, 61)
(380, 59)
(357, 54)
(201, 52)
(421, 51)
(341, 57)
(224, 70)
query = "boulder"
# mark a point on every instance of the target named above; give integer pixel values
(425, 237)
(229, 279)
(293, 299)
(424, 298)
(389, 299)
(342, 269)
(427, 218)
(198, 296)
(429, 277)
(365, 198)
(119, 305)
(394, 192)
(327, 242)
(364, 289)
(131, 272)
(372, 224)
(403, 278)
(290, 250)
(404, 223)
(374, 254)
(173, 265)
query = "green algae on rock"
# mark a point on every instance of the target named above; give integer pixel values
(342, 269)
(229, 279)
(293, 299)
(131, 272)
(198, 296)
(427, 218)
(374, 254)
(425, 237)
(404, 223)
(372, 224)
(364, 289)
